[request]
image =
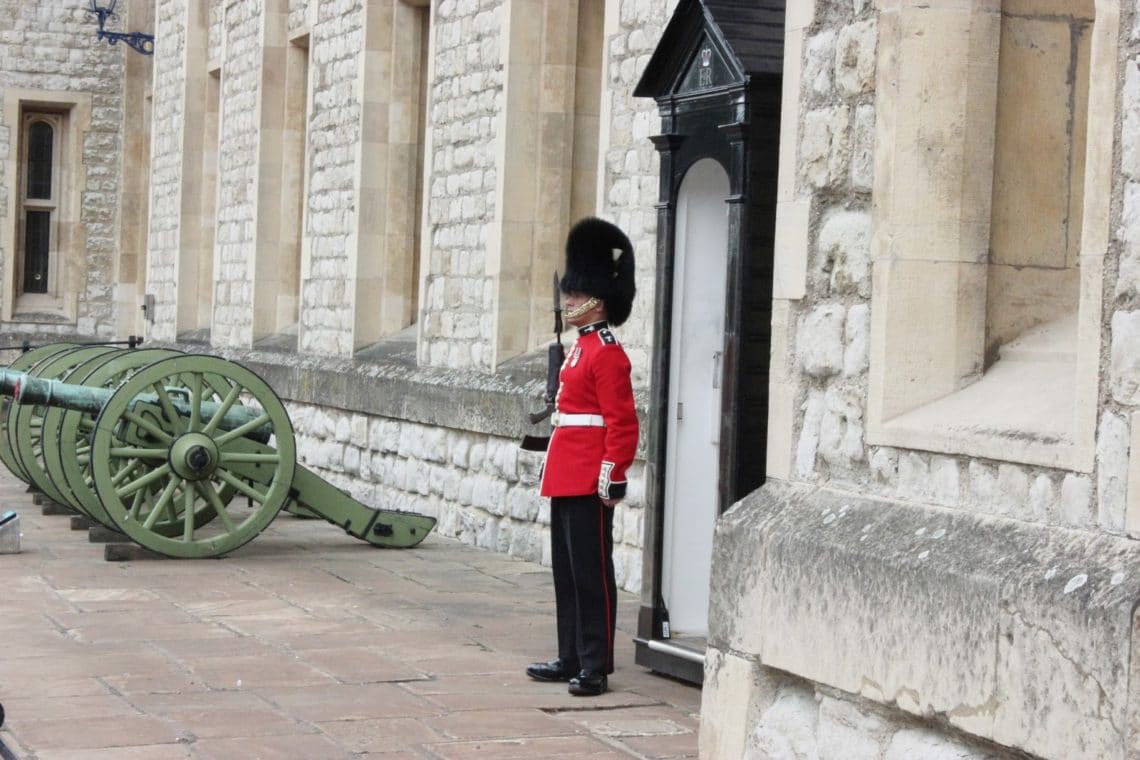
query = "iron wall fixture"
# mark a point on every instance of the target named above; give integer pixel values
(143, 43)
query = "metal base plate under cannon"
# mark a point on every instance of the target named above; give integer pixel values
(190, 456)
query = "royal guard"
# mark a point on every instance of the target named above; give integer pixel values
(592, 446)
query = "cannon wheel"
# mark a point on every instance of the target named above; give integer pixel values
(22, 363)
(67, 461)
(152, 464)
(26, 421)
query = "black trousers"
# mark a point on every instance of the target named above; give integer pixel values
(585, 594)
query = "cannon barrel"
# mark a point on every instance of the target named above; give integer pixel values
(26, 389)
(8, 380)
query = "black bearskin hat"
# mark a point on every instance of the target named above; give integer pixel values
(599, 262)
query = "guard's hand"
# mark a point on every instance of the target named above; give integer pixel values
(610, 502)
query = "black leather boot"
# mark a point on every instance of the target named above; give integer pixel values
(555, 670)
(588, 683)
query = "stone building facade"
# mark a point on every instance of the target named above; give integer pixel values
(363, 200)
(72, 244)
(942, 562)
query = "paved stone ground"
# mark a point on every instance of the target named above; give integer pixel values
(303, 644)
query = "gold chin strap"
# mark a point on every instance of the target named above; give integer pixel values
(584, 307)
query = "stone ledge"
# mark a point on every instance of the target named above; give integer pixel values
(492, 404)
(464, 400)
(1016, 632)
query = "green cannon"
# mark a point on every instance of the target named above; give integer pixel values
(188, 455)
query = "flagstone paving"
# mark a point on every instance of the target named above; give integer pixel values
(303, 644)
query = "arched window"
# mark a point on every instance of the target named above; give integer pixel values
(41, 138)
(44, 240)
(39, 201)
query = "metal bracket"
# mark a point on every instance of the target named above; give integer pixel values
(139, 41)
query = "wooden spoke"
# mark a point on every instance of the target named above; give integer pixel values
(144, 481)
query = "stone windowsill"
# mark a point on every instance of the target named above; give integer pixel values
(1023, 409)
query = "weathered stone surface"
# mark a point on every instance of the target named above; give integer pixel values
(1112, 472)
(841, 430)
(913, 476)
(857, 334)
(1042, 499)
(1076, 496)
(788, 728)
(1129, 232)
(884, 464)
(846, 732)
(728, 696)
(909, 744)
(863, 152)
(1124, 359)
(825, 150)
(944, 480)
(1012, 490)
(827, 585)
(808, 445)
(983, 485)
(844, 251)
(1130, 132)
(819, 62)
(820, 341)
(855, 58)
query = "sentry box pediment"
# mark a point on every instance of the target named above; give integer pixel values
(710, 46)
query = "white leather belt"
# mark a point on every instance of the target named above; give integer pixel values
(578, 420)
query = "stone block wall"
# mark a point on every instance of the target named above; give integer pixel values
(216, 31)
(791, 718)
(630, 172)
(299, 14)
(829, 329)
(336, 42)
(51, 47)
(1119, 475)
(166, 186)
(238, 153)
(1040, 551)
(465, 100)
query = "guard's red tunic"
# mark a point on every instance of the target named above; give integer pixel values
(585, 456)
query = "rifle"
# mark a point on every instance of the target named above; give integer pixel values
(555, 355)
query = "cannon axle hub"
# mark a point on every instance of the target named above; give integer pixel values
(194, 456)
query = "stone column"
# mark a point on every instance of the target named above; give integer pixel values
(535, 160)
(934, 150)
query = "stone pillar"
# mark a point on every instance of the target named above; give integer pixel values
(934, 151)
(535, 160)
(391, 134)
